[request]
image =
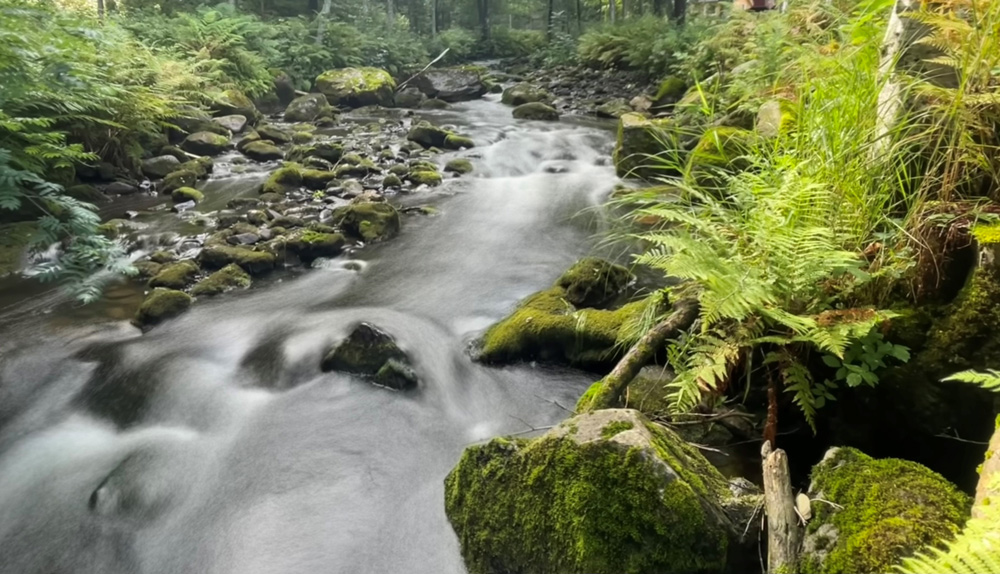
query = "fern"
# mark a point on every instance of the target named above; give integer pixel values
(989, 380)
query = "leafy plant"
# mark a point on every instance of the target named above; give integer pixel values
(863, 359)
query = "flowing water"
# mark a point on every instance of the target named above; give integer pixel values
(214, 444)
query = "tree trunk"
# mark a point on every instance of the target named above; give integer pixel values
(613, 386)
(434, 18)
(548, 19)
(612, 6)
(579, 17)
(625, 10)
(390, 12)
(484, 18)
(100, 9)
(321, 25)
(658, 7)
(680, 11)
(779, 504)
(890, 98)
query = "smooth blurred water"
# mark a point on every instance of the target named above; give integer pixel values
(214, 444)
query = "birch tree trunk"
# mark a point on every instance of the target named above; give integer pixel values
(321, 25)
(100, 9)
(898, 34)
(612, 6)
(390, 11)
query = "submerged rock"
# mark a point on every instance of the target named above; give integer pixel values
(431, 136)
(356, 87)
(285, 179)
(536, 111)
(228, 278)
(175, 275)
(310, 245)
(183, 194)
(876, 512)
(252, 261)
(368, 350)
(160, 305)
(307, 108)
(458, 165)
(451, 84)
(370, 222)
(606, 492)
(178, 179)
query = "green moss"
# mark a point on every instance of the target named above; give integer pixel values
(284, 179)
(14, 240)
(370, 222)
(459, 165)
(317, 179)
(262, 151)
(356, 87)
(455, 141)
(585, 400)
(205, 143)
(671, 90)
(536, 111)
(201, 166)
(310, 245)
(226, 279)
(430, 178)
(182, 194)
(179, 179)
(391, 181)
(638, 139)
(175, 275)
(720, 149)
(302, 137)
(160, 305)
(274, 133)
(352, 170)
(775, 118)
(556, 504)
(524, 93)
(592, 282)
(888, 509)
(987, 234)
(253, 262)
(613, 428)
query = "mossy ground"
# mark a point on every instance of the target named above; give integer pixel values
(890, 509)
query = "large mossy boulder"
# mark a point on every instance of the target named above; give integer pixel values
(217, 256)
(307, 108)
(229, 278)
(870, 513)
(536, 111)
(262, 151)
(430, 136)
(205, 143)
(720, 150)
(356, 87)
(369, 221)
(524, 93)
(310, 245)
(547, 326)
(160, 305)
(606, 492)
(368, 350)
(235, 102)
(640, 141)
(452, 84)
(160, 166)
(178, 179)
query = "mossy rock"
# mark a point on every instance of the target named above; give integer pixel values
(233, 123)
(431, 136)
(364, 351)
(525, 93)
(593, 282)
(459, 165)
(229, 278)
(317, 179)
(602, 493)
(457, 142)
(640, 138)
(175, 275)
(205, 143)
(775, 117)
(431, 178)
(201, 166)
(183, 194)
(179, 179)
(262, 151)
(232, 102)
(434, 104)
(310, 245)
(356, 87)
(614, 108)
(161, 166)
(720, 150)
(14, 240)
(307, 108)
(876, 512)
(536, 111)
(400, 170)
(283, 180)
(217, 256)
(180, 155)
(397, 375)
(352, 170)
(370, 222)
(147, 269)
(160, 305)
(275, 134)
(87, 194)
(670, 91)
(302, 137)
(391, 180)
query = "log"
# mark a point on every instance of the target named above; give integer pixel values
(783, 534)
(613, 386)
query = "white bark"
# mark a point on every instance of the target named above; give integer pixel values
(612, 7)
(783, 533)
(321, 27)
(890, 99)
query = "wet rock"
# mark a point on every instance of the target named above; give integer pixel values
(353, 170)
(370, 222)
(287, 221)
(205, 143)
(161, 166)
(234, 123)
(397, 375)
(367, 350)
(317, 179)
(120, 188)
(638, 139)
(182, 194)
(614, 108)
(229, 278)
(593, 282)
(256, 217)
(307, 108)
(176, 152)
(243, 239)
(536, 111)
(875, 512)
(201, 166)
(252, 261)
(274, 133)
(670, 91)
(262, 151)
(457, 142)
(147, 269)
(458, 165)
(327, 151)
(602, 493)
(421, 177)
(391, 181)
(175, 275)
(160, 305)
(525, 93)
(250, 137)
(356, 87)
(235, 102)
(310, 245)
(284, 180)
(451, 84)
(179, 179)
(226, 218)
(409, 97)
(430, 136)
(162, 256)
(87, 194)
(434, 104)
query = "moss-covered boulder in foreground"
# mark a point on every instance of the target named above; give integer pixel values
(356, 87)
(228, 278)
(640, 138)
(547, 326)
(205, 143)
(175, 275)
(307, 108)
(369, 221)
(602, 493)
(876, 511)
(160, 305)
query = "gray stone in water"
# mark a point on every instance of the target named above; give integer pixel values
(397, 375)
(234, 123)
(120, 188)
(451, 84)
(159, 167)
(243, 239)
(368, 350)
(536, 111)
(183, 206)
(307, 108)
(409, 97)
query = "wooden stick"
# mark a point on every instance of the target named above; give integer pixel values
(783, 533)
(434, 61)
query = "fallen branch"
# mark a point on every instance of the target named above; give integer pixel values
(434, 61)
(616, 383)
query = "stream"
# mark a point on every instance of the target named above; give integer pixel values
(213, 443)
